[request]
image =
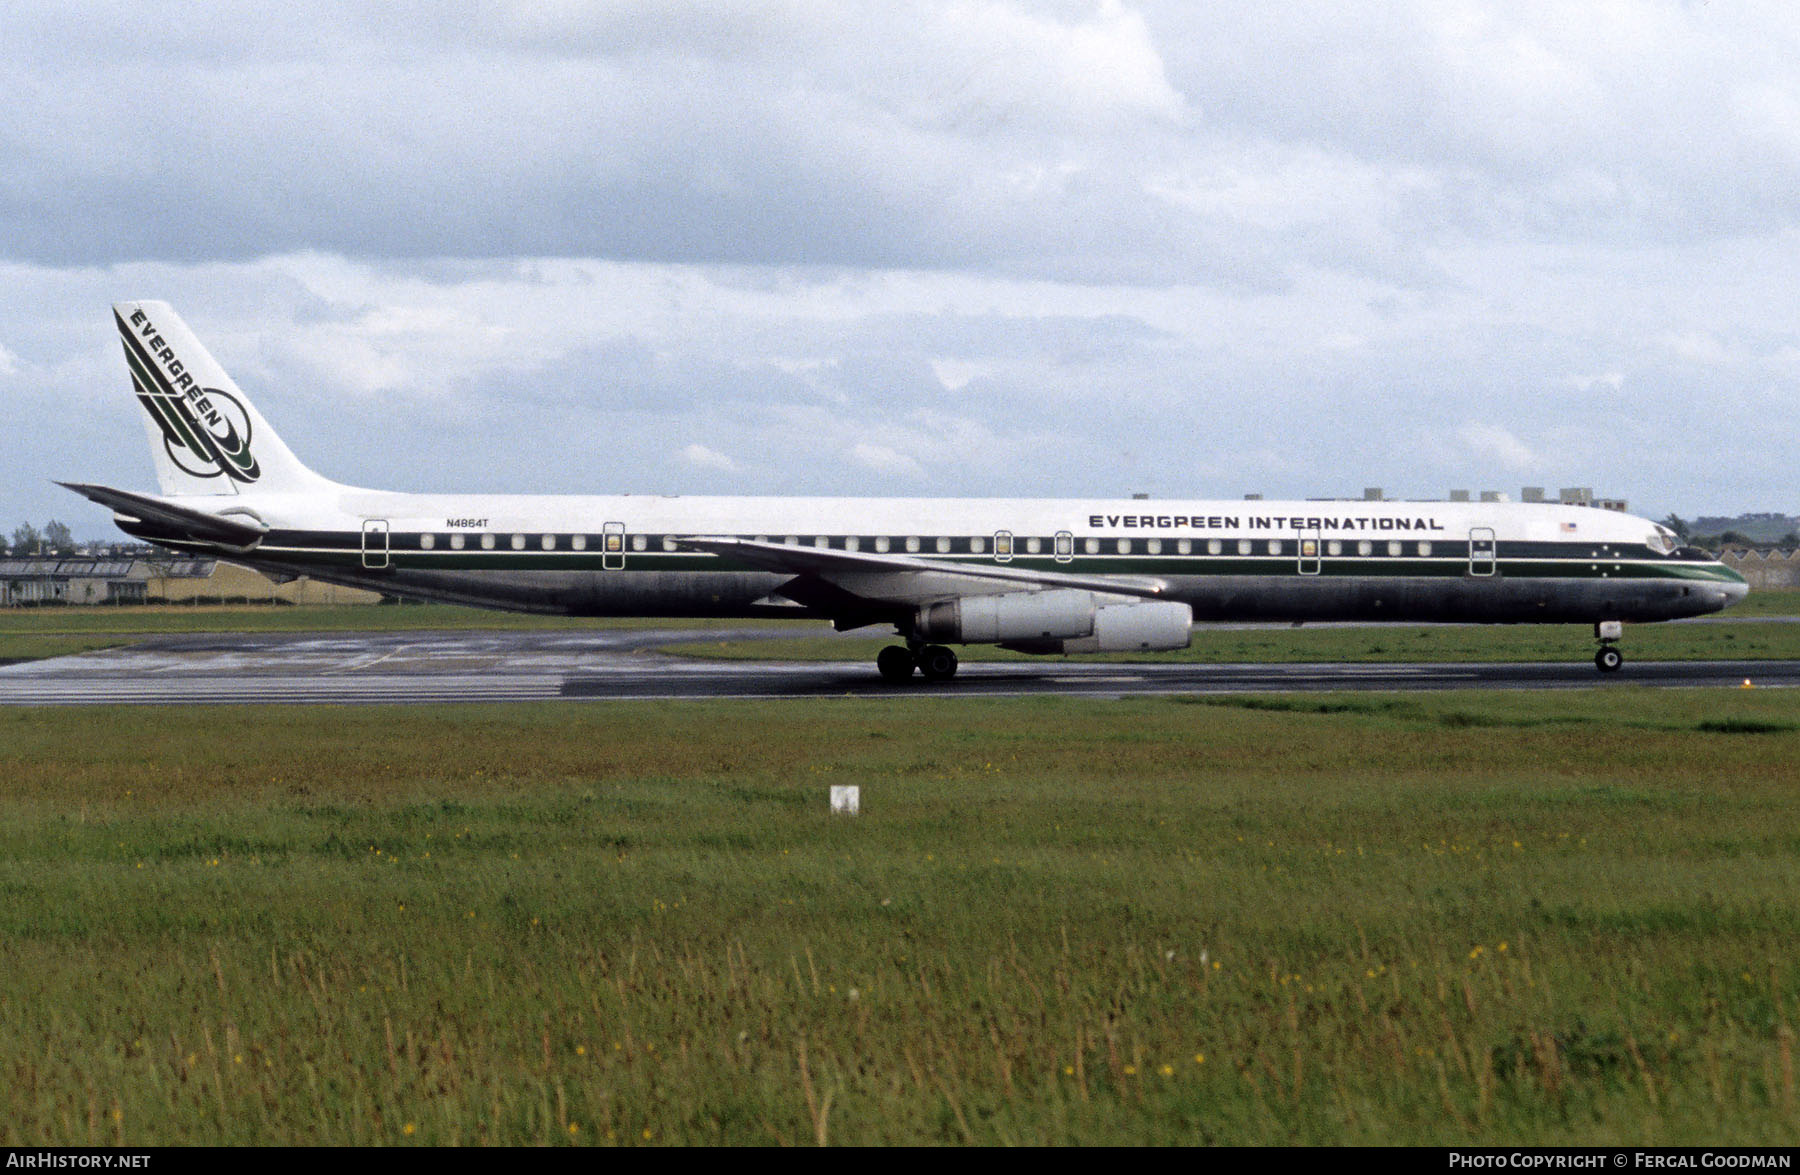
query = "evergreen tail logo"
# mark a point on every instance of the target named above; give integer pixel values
(206, 431)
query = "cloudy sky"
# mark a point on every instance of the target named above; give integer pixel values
(979, 247)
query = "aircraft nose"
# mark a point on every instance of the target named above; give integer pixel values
(1733, 592)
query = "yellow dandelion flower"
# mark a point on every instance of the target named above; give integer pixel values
(646, 1134)
(581, 1050)
(574, 1128)
(1168, 1070)
(1199, 1058)
(408, 1128)
(1131, 1070)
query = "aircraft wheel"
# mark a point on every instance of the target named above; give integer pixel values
(896, 663)
(937, 663)
(1608, 659)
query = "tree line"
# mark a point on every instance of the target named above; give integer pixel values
(1730, 538)
(54, 539)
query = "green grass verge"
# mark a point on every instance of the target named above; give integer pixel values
(1768, 602)
(30, 634)
(1505, 642)
(1498, 918)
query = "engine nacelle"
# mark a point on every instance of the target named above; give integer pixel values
(1151, 626)
(1058, 621)
(1013, 616)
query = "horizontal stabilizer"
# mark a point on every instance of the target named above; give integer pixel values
(172, 521)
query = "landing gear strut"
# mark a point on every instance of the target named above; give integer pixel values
(1608, 658)
(935, 662)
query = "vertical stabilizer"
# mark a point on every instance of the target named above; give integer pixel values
(205, 435)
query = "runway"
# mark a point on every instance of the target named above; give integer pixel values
(619, 665)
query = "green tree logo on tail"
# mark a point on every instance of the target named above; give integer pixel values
(206, 431)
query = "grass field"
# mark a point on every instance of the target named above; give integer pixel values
(1761, 641)
(1457, 918)
(29, 634)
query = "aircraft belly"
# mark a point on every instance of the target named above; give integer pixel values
(1466, 599)
(572, 593)
(1469, 599)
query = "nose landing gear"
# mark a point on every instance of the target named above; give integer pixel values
(1608, 658)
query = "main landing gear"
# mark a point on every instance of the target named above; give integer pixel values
(935, 662)
(1608, 658)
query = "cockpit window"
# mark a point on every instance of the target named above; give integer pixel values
(1662, 541)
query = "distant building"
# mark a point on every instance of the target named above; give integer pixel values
(1764, 568)
(155, 579)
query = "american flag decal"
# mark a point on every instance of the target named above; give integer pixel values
(1568, 527)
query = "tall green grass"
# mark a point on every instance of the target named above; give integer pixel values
(1457, 918)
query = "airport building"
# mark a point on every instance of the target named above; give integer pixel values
(33, 581)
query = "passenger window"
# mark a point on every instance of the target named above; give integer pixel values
(1154, 546)
(456, 542)
(977, 546)
(579, 542)
(943, 546)
(427, 541)
(1365, 547)
(852, 543)
(882, 542)
(1334, 547)
(1184, 547)
(1124, 546)
(1092, 546)
(1243, 546)
(1003, 545)
(668, 543)
(1424, 549)
(912, 544)
(1034, 546)
(549, 542)
(1274, 546)
(1214, 546)
(487, 542)
(639, 542)
(792, 540)
(821, 542)
(1394, 547)
(518, 542)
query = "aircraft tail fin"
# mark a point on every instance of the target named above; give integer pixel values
(206, 437)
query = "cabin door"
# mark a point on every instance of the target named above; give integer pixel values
(375, 542)
(1309, 551)
(612, 546)
(1481, 551)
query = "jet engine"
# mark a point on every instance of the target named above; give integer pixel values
(1060, 621)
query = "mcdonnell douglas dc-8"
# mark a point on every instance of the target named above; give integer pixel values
(1038, 576)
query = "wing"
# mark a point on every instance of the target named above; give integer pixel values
(872, 587)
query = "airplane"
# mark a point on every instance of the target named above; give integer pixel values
(1040, 576)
